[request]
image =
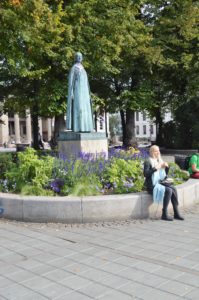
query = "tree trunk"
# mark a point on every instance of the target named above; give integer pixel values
(129, 138)
(123, 121)
(59, 126)
(159, 127)
(34, 115)
(35, 126)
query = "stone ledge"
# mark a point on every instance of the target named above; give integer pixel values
(90, 209)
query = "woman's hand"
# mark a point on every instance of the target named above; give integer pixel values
(164, 165)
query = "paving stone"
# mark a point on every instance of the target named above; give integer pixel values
(152, 260)
(74, 296)
(33, 296)
(20, 276)
(135, 289)
(95, 290)
(4, 282)
(117, 295)
(156, 294)
(76, 282)
(42, 269)
(193, 295)
(56, 275)
(37, 283)
(16, 292)
(54, 290)
(168, 273)
(176, 288)
(191, 279)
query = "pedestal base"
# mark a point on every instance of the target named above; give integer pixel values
(76, 143)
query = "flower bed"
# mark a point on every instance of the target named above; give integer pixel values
(33, 173)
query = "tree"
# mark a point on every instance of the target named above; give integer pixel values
(34, 50)
(175, 30)
(183, 131)
(118, 54)
(140, 55)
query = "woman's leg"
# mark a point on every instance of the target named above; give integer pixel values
(167, 197)
(174, 201)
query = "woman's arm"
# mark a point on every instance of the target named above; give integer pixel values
(148, 170)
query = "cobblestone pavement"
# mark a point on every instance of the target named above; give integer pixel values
(137, 259)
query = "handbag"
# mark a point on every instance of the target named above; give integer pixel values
(167, 181)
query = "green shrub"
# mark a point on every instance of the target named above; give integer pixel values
(124, 176)
(87, 187)
(33, 174)
(6, 163)
(78, 177)
(36, 190)
(177, 174)
(30, 170)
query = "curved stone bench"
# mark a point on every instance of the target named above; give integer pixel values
(90, 209)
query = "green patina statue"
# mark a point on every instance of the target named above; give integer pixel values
(79, 116)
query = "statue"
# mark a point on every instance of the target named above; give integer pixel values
(79, 109)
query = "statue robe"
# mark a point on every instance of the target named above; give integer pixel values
(79, 110)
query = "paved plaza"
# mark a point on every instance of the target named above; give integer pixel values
(138, 259)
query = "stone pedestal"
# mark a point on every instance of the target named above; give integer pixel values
(76, 143)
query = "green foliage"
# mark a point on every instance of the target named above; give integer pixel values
(30, 170)
(177, 174)
(86, 187)
(6, 163)
(35, 190)
(34, 54)
(48, 176)
(175, 75)
(78, 176)
(125, 176)
(186, 121)
(139, 54)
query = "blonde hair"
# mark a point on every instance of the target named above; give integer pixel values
(152, 149)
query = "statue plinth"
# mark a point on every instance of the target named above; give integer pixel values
(73, 143)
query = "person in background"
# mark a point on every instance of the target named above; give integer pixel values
(156, 170)
(194, 166)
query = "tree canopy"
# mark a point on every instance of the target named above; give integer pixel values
(34, 52)
(140, 55)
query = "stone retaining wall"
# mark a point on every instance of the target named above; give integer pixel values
(90, 209)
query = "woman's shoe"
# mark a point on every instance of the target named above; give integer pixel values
(165, 216)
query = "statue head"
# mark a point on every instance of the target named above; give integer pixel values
(78, 57)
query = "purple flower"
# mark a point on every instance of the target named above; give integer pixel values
(56, 185)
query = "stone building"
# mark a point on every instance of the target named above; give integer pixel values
(16, 129)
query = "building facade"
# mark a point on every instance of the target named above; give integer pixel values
(145, 128)
(18, 130)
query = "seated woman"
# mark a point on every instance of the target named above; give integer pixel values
(194, 166)
(155, 170)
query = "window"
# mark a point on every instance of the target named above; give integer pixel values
(144, 116)
(144, 129)
(151, 129)
(11, 127)
(137, 116)
(137, 130)
(23, 127)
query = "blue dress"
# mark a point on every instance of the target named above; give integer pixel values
(79, 116)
